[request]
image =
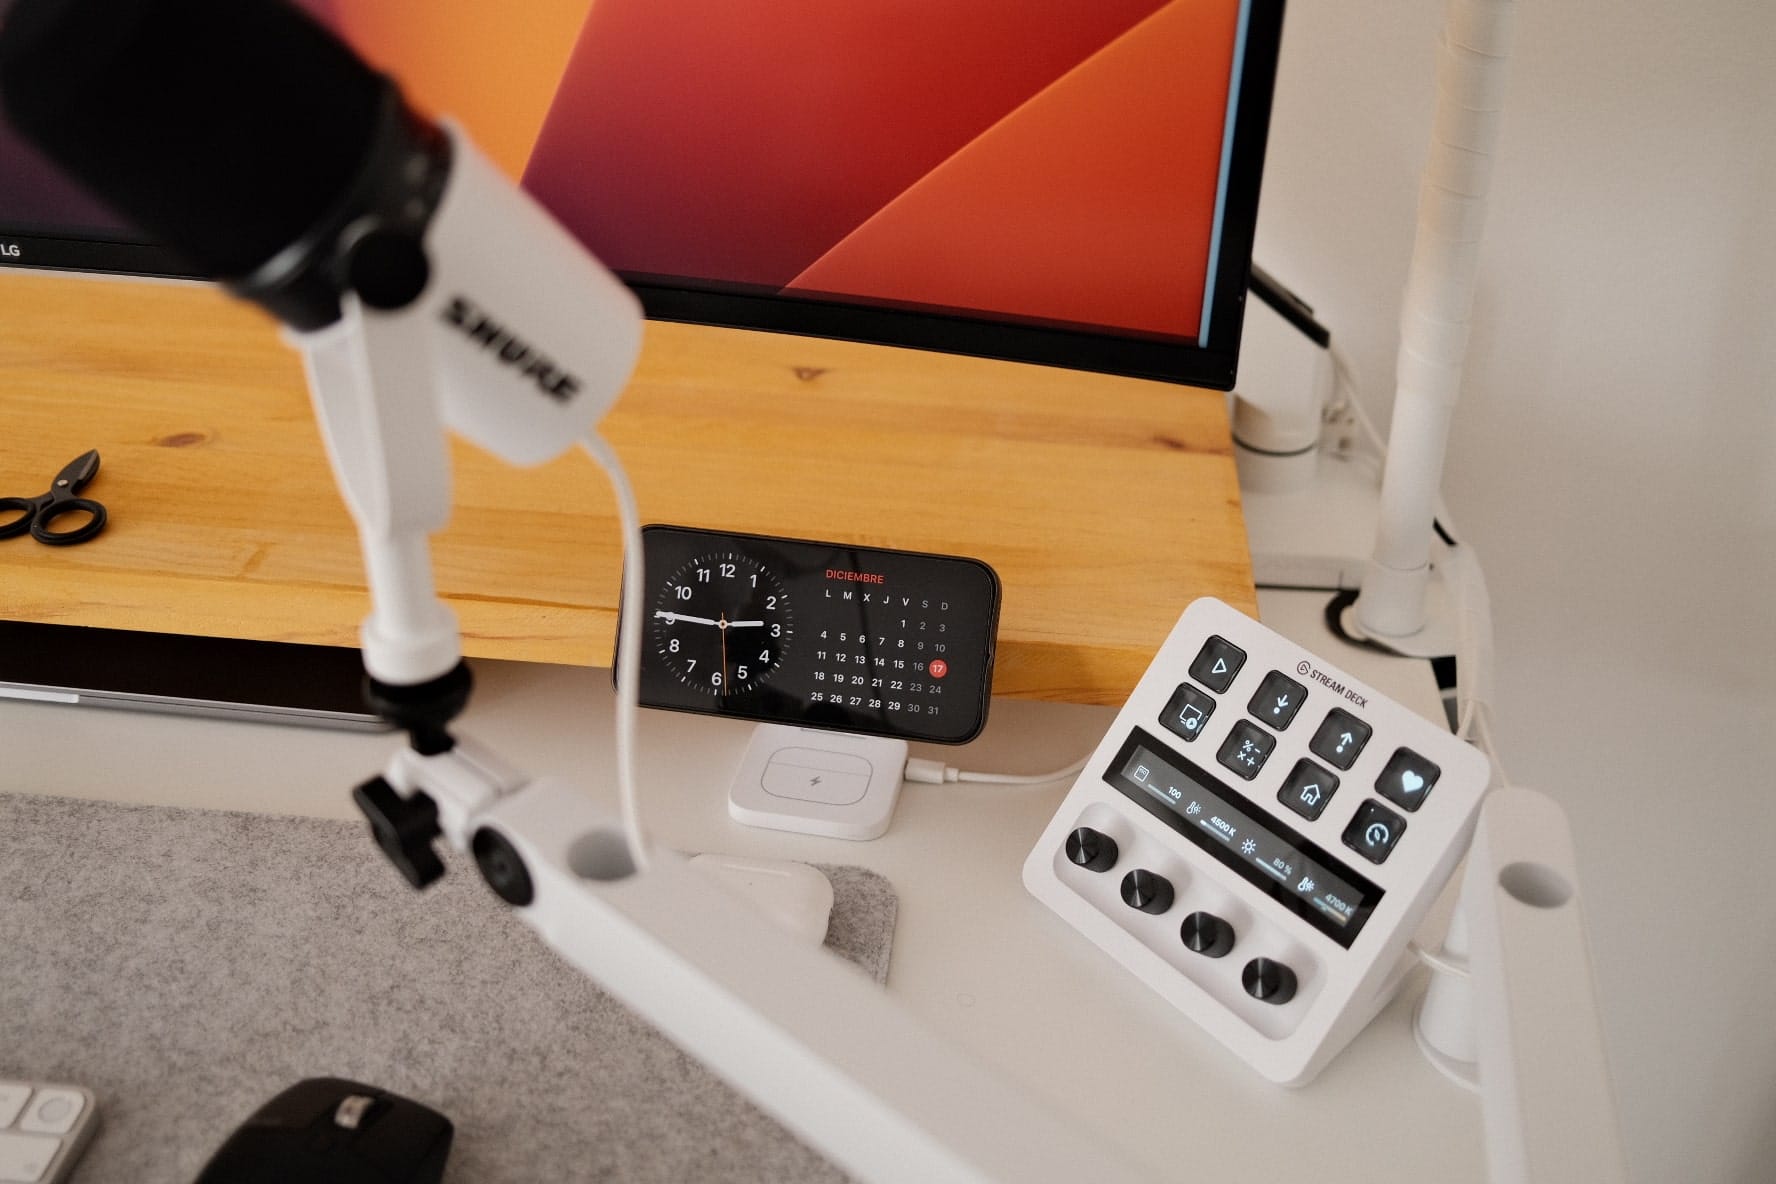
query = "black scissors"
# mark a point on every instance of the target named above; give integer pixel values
(37, 513)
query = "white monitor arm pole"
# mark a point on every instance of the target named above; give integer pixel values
(1471, 76)
(1513, 1009)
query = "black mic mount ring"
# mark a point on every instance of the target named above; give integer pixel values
(371, 242)
(423, 709)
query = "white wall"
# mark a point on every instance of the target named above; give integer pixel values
(1614, 462)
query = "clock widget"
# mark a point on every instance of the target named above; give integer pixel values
(721, 623)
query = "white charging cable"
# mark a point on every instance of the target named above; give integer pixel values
(628, 645)
(931, 772)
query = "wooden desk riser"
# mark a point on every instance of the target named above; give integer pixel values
(1105, 504)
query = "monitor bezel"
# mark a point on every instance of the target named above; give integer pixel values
(1211, 364)
(98, 254)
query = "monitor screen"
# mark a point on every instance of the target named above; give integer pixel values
(1042, 180)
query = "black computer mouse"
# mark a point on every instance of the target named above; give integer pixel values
(337, 1131)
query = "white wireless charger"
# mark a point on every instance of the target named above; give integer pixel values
(817, 782)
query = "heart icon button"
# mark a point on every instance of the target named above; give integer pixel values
(1407, 780)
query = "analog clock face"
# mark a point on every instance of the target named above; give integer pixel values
(721, 623)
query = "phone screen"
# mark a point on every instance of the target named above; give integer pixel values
(861, 639)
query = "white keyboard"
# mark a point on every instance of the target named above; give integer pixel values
(43, 1129)
(1258, 837)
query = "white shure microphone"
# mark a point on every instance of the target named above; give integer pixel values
(519, 342)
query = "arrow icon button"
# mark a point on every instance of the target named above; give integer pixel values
(1278, 699)
(1217, 664)
(1340, 739)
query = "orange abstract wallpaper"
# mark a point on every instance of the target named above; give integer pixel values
(494, 68)
(1052, 163)
(1068, 208)
(1038, 159)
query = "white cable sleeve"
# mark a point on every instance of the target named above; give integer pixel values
(628, 644)
(1473, 63)
(1345, 374)
(1467, 582)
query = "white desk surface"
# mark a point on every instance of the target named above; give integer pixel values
(974, 956)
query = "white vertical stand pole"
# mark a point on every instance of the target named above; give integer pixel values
(373, 397)
(1434, 318)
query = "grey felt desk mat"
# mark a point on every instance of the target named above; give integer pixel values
(187, 965)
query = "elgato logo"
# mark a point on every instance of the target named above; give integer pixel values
(10, 250)
(510, 349)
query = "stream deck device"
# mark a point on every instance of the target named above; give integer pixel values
(1258, 837)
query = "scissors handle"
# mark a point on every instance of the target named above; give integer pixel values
(26, 508)
(40, 522)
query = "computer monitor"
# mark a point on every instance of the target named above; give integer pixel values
(1039, 180)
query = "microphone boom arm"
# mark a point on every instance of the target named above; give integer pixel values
(796, 1029)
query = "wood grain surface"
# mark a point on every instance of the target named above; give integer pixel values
(1105, 504)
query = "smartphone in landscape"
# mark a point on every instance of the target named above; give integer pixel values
(266, 681)
(826, 635)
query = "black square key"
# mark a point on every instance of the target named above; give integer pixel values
(1246, 749)
(1217, 663)
(1340, 739)
(1278, 699)
(1307, 789)
(1407, 779)
(1187, 711)
(1374, 831)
